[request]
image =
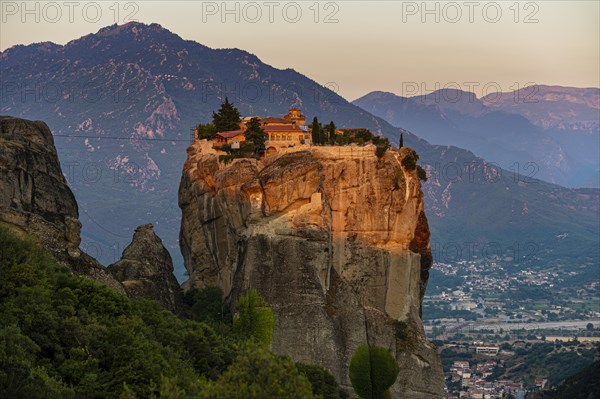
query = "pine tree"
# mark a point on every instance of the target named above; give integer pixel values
(228, 117)
(316, 132)
(401, 140)
(256, 137)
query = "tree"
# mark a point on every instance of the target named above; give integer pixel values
(63, 336)
(228, 117)
(331, 131)
(401, 140)
(422, 175)
(254, 319)
(316, 131)
(372, 372)
(589, 327)
(206, 304)
(256, 137)
(322, 381)
(206, 131)
(260, 374)
(410, 160)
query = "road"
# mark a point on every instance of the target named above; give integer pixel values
(497, 325)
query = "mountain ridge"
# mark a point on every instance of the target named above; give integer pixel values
(510, 133)
(160, 87)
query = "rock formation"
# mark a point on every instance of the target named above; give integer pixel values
(146, 270)
(35, 198)
(333, 237)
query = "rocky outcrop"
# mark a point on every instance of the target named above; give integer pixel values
(333, 237)
(146, 270)
(35, 198)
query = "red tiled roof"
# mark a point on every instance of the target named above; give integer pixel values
(267, 129)
(231, 134)
(271, 119)
(282, 129)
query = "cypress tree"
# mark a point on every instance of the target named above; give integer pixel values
(331, 129)
(316, 132)
(401, 140)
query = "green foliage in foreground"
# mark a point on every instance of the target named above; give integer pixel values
(322, 381)
(63, 336)
(257, 374)
(372, 372)
(255, 319)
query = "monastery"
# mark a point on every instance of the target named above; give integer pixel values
(282, 132)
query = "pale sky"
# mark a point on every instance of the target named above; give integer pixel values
(365, 45)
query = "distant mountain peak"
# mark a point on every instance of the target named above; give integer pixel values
(378, 95)
(132, 27)
(453, 94)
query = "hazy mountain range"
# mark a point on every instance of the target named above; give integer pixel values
(547, 132)
(127, 96)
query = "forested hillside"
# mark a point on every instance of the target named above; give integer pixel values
(63, 336)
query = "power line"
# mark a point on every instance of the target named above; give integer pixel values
(117, 138)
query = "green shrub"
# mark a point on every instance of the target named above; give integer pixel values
(206, 305)
(421, 173)
(401, 329)
(254, 318)
(228, 158)
(410, 160)
(380, 150)
(322, 381)
(372, 372)
(206, 131)
(259, 374)
(398, 177)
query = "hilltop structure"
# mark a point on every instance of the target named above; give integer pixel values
(289, 130)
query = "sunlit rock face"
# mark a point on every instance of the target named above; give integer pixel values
(334, 238)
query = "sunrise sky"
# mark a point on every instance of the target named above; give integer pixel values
(360, 46)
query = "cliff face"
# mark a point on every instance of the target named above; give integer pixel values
(146, 270)
(334, 238)
(35, 198)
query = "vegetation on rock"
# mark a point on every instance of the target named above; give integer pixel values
(410, 160)
(206, 131)
(421, 173)
(372, 372)
(254, 319)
